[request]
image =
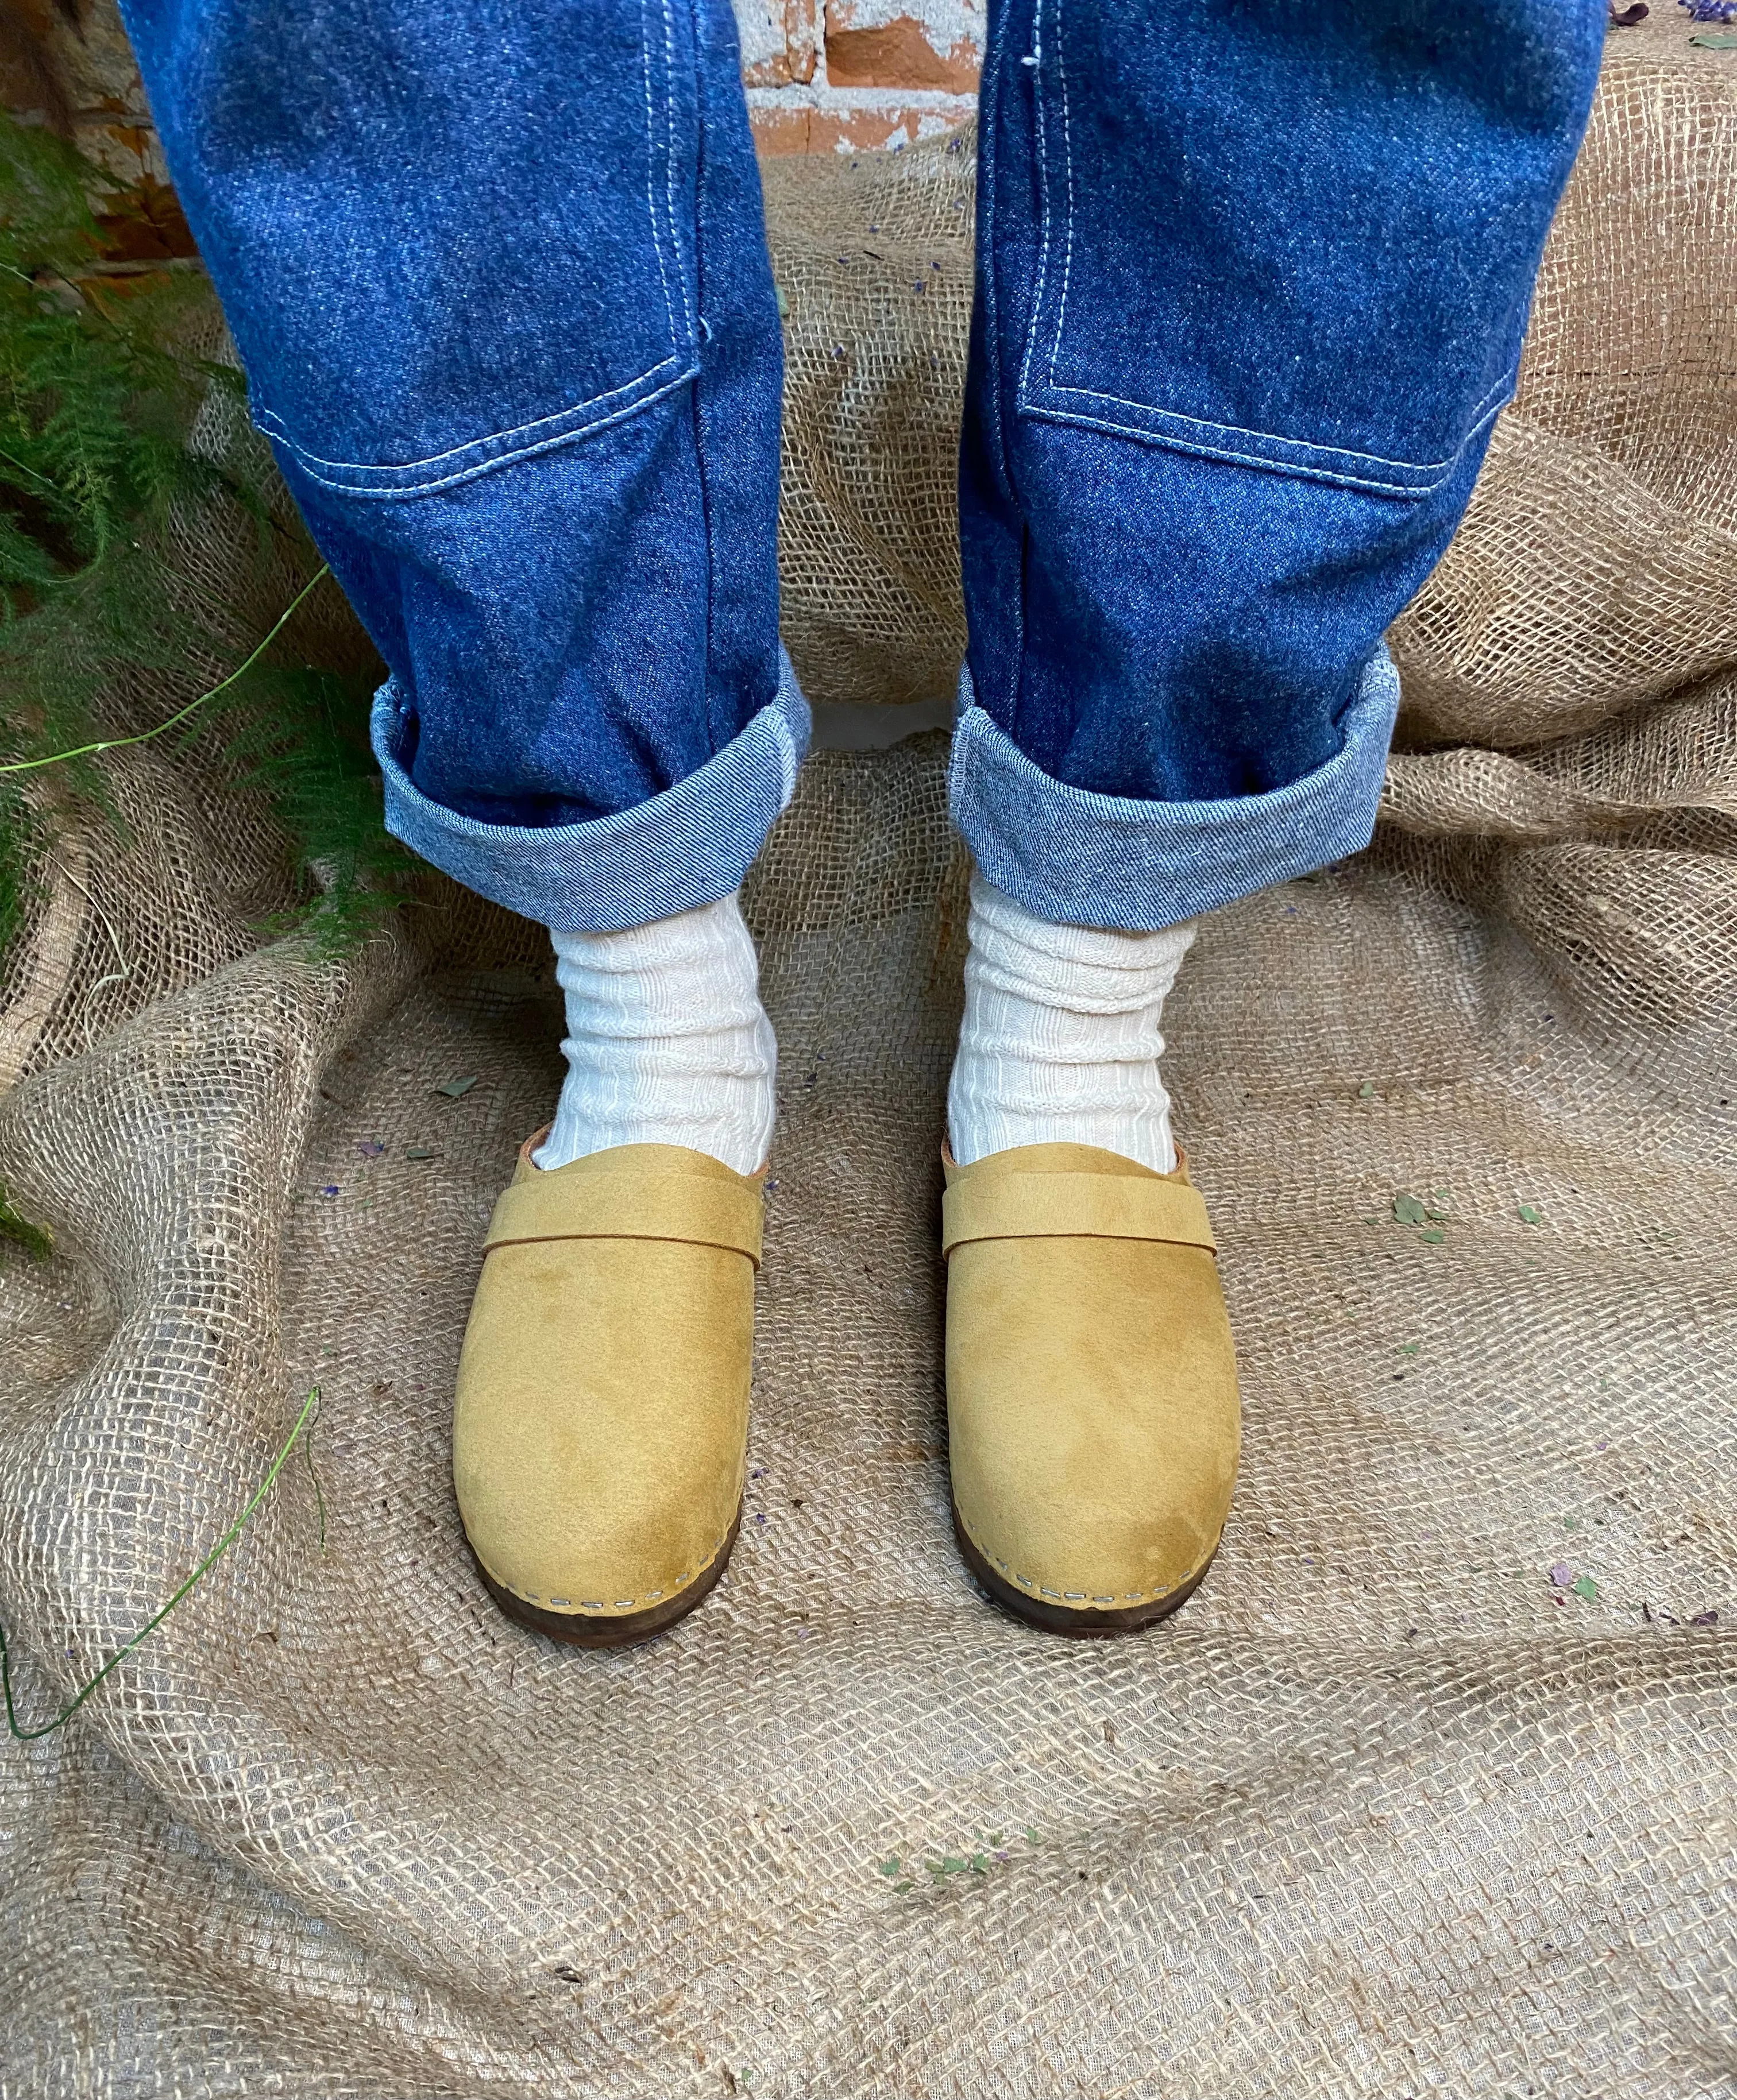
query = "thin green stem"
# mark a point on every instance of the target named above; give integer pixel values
(180, 715)
(40, 479)
(302, 1422)
(308, 1452)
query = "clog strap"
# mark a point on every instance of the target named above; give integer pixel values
(1113, 1207)
(637, 1206)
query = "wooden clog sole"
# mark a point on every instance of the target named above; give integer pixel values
(621, 1630)
(1089, 1623)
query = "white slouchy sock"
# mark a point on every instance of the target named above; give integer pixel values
(667, 1042)
(1060, 1042)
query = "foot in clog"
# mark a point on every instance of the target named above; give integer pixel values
(1092, 1403)
(599, 1436)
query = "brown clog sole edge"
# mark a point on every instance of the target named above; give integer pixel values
(1062, 1619)
(623, 1629)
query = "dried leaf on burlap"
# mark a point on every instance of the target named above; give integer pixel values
(1388, 1808)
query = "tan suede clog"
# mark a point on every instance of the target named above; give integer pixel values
(600, 1432)
(1092, 1406)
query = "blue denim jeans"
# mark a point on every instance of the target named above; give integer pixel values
(1252, 278)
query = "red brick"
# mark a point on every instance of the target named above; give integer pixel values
(894, 54)
(807, 130)
(796, 62)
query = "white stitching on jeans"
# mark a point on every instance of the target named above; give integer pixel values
(675, 238)
(1043, 178)
(1061, 74)
(1302, 471)
(651, 149)
(273, 426)
(1491, 401)
(1302, 468)
(672, 371)
(309, 462)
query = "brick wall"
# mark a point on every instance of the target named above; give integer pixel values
(838, 75)
(823, 76)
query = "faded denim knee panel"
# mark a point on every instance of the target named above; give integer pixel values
(1252, 277)
(1252, 282)
(1297, 238)
(499, 279)
(524, 279)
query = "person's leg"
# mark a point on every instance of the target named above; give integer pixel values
(499, 280)
(1252, 280)
(500, 283)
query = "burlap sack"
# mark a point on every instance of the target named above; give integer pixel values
(1429, 1789)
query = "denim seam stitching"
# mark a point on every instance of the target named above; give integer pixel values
(1302, 469)
(273, 426)
(1077, 419)
(1061, 74)
(1043, 178)
(1033, 328)
(788, 760)
(695, 415)
(651, 160)
(983, 234)
(309, 463)
(1480, 410)
(675, 238)
(1439, 468)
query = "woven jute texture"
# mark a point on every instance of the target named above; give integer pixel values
(1431, 1790)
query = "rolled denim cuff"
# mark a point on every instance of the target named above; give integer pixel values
(687, 846)
(1084, 859)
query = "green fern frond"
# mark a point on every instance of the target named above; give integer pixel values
(99, 392)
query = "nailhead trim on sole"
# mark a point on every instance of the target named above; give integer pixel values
(611, 1628)
(1082, 1620)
